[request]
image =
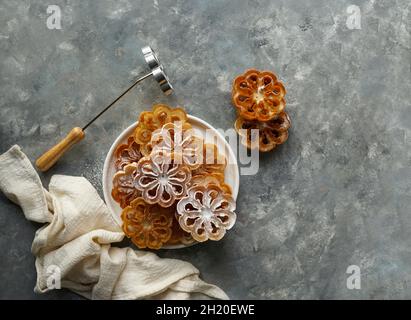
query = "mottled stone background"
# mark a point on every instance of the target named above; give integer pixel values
(337, 193)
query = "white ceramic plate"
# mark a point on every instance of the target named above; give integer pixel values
(232, 177)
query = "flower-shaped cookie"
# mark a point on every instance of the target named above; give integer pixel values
(213, 161)
(179, 236)
(258, 95)
(270, 133)
(148, 226)
(155, 119)
(211, 178)
(142, 134)
(127, 153)
(124, 190)
(164, 114)
(178, 138)
(161, 180)
(206, 212)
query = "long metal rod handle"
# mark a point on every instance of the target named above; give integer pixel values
(118, 98)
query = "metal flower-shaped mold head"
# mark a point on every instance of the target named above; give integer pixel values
(161, 180)
(124, 190)
(270, 134)
(206, 212)
(150, 121)
(148, 226)
(178, 138)
(127, 153)
(258, 95)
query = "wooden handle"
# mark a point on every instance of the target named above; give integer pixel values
(49, 158)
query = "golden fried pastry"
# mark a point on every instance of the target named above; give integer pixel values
(147, 120)
(148, 226)
(170, 184)
(211, 178)
(179, 236)
(124, 190)
(178, 138)
(164, 114)
(150, 121)
(213, 161)
(258, 95)
(167, 131)
(161, 180)
(270, 134)
(178, 114)
(206, 212)
(127, 153)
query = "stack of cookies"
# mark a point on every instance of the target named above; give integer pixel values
(259, 99)
(170, 183)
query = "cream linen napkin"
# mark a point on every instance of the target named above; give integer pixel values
(77, 238)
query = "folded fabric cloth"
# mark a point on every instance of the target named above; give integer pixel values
(77, 239)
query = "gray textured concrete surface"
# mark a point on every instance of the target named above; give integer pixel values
(337, 193)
